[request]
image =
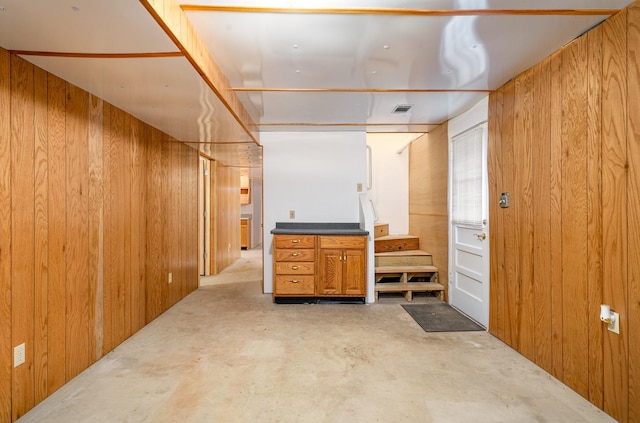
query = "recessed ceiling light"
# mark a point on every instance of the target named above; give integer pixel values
(386, 46)
(295, 46)
(297, 70)
(373, 72)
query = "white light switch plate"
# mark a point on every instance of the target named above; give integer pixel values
(19, 355)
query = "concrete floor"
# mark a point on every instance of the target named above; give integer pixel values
(226, 353)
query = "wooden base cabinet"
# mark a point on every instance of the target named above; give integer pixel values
(342, 265)
(320, 265)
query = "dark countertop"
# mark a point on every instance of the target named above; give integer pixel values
(312, 228)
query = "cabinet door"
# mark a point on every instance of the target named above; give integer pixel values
(330, 272)
(354, 280)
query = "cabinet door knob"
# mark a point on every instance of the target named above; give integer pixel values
(295, 267)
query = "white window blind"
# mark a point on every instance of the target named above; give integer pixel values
(467, 178)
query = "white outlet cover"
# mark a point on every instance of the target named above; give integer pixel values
(614, 326)
(19, 355)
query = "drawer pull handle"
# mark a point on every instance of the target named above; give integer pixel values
(295, 281)
(295, 241)
(295, 267)
(294, 254)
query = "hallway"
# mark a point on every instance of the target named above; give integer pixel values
(226, 353)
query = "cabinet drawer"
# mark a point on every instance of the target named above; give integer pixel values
(349, 241)
(295, 268)
(295, 241)
(294, 285)
(295, 255)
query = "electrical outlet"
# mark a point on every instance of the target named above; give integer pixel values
(19, 355)
(359, 188)
(170, 277)
(292, 214)
(614, 326)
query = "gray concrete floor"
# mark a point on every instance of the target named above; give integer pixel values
(226, 353)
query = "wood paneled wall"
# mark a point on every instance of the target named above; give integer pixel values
(225, 200)
(428, 196)
(564, 141)
(96, 208)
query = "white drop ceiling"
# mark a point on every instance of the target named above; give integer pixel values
(330, 65)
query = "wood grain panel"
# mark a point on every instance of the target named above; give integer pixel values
(154, 229)
(556, 223)
(574, 217)
(227, 204)
(522, 151)
(428, 196)
(138, 199)
(541, 180)
(496, 266)
(512, 297)
(77, 244)
(633, 233)
(107, 290)
(614, 199)
(22, 231)
(96, 227)
(116, 232)
(41, 242)
(165, 161)
(6, 350)
(57, 302)
(125, 212)
(594, 212)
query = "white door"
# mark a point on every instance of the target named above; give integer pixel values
(468, 230)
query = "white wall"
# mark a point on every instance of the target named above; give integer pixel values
(390, 171)
(314, 173)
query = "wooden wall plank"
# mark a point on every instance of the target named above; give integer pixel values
(126, 221)
(117, 227)
(614, 198)
(41, 242)
(138, 197)
(428, 196)
(522, 151)
(574, 217)
(511, 313)
(541, 174)
(167, 223)
(633, 233)
(154, 229)
(556, 223)
(6, 348)
(594, 211)
(496, 266)
(96, 228)
(633, 142)
(77, 245)
(22, 231)
(57, 302)
(108, 342)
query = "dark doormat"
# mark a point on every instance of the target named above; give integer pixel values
(440, 317)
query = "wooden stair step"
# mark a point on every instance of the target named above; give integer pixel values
(380, 229)
(409, 288)
(403, 258)
(396, 243)
(406, 269)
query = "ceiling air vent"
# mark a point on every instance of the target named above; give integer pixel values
(401, 108)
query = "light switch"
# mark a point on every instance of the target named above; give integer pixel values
(19, 355)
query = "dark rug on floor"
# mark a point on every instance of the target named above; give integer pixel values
(440, 317)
